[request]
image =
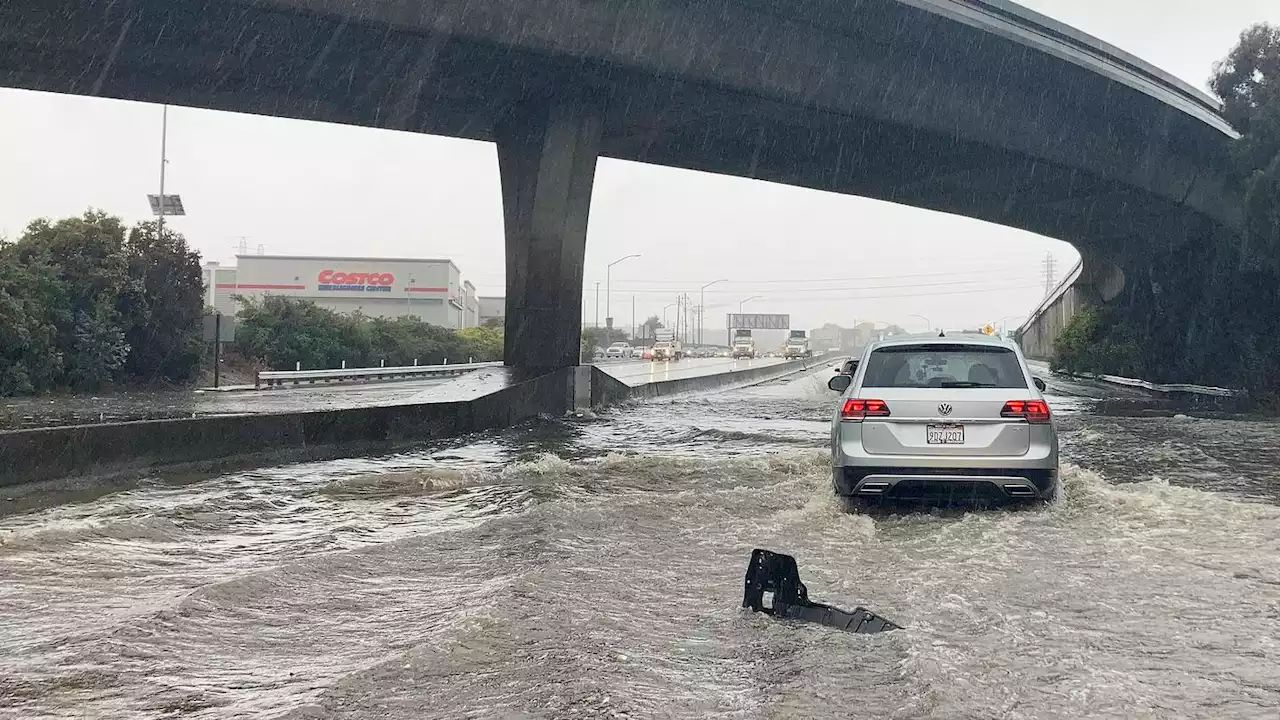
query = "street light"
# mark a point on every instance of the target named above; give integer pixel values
(664, 314)
(728, 339)
(702, 300)
(162, 204)
(608, 294)
(928, 325)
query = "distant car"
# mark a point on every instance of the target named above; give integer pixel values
(942, 420)
(618, 350)
(646, 354)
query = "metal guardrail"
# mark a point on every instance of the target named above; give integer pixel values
(1143, 384)
(1166, 388)
(277, 378)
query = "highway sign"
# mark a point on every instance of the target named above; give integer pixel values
(758, 321)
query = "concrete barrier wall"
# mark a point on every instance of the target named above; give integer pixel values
(208, 442)
(1092, 279)
(606, 390)
(213, 443)
(1039, 334)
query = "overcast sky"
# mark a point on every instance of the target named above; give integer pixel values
(296, 187)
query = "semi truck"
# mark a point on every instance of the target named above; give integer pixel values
(744, 346)
(666, 347)
(797, 346)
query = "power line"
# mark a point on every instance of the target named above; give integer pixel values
(987, 271)
(788, 291)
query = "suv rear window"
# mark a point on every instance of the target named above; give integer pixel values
(943, 365)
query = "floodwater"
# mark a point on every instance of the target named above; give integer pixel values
(592, 568)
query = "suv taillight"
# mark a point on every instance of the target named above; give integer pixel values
(856, 409)
(1033, 411)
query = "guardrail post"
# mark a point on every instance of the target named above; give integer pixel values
(446, 361)
(298, 366)
(382, 362)
(415, 362)
(344, 364)
(257, 381)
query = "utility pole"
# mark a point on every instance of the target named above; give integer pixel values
(597, 305)
(679, 310)
(1049, 272)
(633, 318)
(688, 336)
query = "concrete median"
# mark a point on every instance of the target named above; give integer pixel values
(221, 442)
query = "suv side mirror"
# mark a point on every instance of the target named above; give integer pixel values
(840, 383)
(1039, 384)
(850, 367)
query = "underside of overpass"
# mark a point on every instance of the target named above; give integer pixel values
(962, 107)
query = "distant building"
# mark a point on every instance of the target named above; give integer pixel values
(492, 307)
(470, 305)
(428, 289)
(219, 286)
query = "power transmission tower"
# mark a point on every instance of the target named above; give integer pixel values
(1049, 272)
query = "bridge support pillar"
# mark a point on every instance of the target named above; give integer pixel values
(547, 152)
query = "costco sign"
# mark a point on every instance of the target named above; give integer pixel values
(331, 280)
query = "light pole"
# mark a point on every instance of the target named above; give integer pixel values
(162, 204)
(929, 325)
(408, 297)
(702, 303)
(664, 314)
(608, 289)
(728, 339)
(597, 323)
(164, 160)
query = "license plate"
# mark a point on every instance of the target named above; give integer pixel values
(949, 434)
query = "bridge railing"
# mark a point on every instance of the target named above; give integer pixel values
(276, 378)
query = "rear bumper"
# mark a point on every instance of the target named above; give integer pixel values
(945, 485)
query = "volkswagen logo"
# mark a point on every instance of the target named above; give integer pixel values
(944, 409)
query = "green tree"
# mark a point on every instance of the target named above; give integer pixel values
(30, 361)
(283, 331)
(163, 327)
(480, 344)
(1248, 81)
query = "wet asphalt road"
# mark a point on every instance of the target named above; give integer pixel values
(592, 568)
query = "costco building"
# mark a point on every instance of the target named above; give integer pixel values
(431, 290)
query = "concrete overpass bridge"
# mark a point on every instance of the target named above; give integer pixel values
(974, 107)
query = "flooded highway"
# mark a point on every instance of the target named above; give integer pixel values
(592, 568)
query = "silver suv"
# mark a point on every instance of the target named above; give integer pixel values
(942, 420)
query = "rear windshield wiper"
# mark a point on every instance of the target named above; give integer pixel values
(966, 384)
